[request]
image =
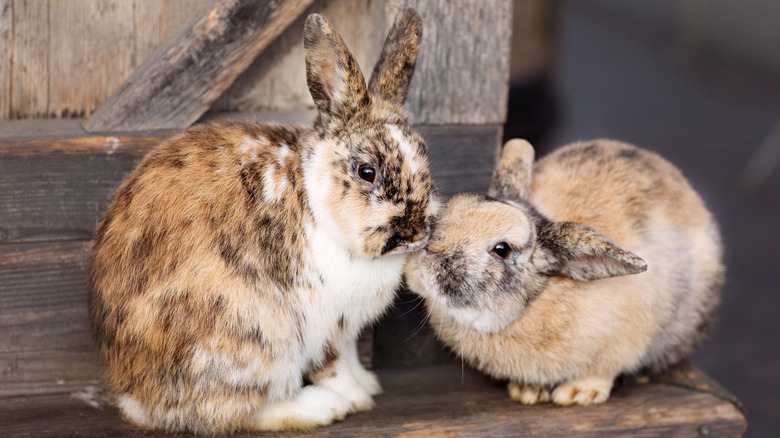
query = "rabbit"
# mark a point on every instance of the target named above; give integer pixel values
(237, 264)
(541, 283)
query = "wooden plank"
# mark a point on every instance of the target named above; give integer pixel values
(184, 76)
(68, 59)
(173, 13)
(46, 345)
(461, 74)
(30, 69)
(276, 80)
(6, 56)
(108, 40)
(434, 401)
(58, 189)
(156, 20)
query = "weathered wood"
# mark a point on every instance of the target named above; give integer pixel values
(434, 401)
(184, 76)
(83, 33)
(68, 57)
(461, 73)
(29, 62)
(45, 346)
(110, 40)
(156, 20)
(6, 54)
(58, 189)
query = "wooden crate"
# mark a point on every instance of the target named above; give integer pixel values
(57, 178)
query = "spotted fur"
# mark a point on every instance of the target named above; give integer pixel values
(570, 308)
(240, 260)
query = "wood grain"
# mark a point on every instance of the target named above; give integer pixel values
(59, 188)
(6, 56)
(154, 21)
(461, 74)
(46, 344)
(444, 401)
(192, 68)
(30, 60)
(108, 41)
(68, 59)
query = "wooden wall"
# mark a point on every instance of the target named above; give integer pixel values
(56, 180)
(63, 58)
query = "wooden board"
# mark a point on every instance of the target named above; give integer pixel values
(463, 72)
(191, 69)
(29, 73)
(58, 189)
(6, 53)
(53, 193)
(461, 75)
(444, 401)
(45, 346)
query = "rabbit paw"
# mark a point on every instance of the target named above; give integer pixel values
(528, 395)
(367, 380)
(588, 391)
(313, 406)
(347, 386)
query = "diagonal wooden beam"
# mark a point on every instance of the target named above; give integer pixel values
(191, 69)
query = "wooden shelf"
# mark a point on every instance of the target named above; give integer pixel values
(447, 401)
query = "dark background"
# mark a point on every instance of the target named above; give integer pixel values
(686, 80)
(709, 107)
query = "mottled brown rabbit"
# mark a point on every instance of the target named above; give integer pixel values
(542, 283)
(240, 260)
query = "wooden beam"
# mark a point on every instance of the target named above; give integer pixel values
(443, 401)
(192, 68)
(58, 188)
(45, 345)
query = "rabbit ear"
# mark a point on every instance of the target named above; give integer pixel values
(512, 177)
(579, 252)
(335, 81)
(393, 72)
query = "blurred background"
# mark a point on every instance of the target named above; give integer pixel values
(699, 82)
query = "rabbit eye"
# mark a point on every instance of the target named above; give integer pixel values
(502, 250)
(366, 173)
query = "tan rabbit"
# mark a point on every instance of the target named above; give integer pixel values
(240, 260)
(544, 286)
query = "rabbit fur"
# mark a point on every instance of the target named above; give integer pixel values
(240, 261)
(541, 282)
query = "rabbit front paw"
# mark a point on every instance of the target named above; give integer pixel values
(528, 395)
(367, 380)
(314, 406)
(584, 392)
(349, 387)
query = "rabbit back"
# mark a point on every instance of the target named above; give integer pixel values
(645, 204)
(184, 306)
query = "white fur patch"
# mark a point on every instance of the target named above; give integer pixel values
(406, 148)
(250, 145)
(283, 151)
(274, 185)
(313, 406)
(133, 410)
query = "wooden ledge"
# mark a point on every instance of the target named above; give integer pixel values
(445, 401)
